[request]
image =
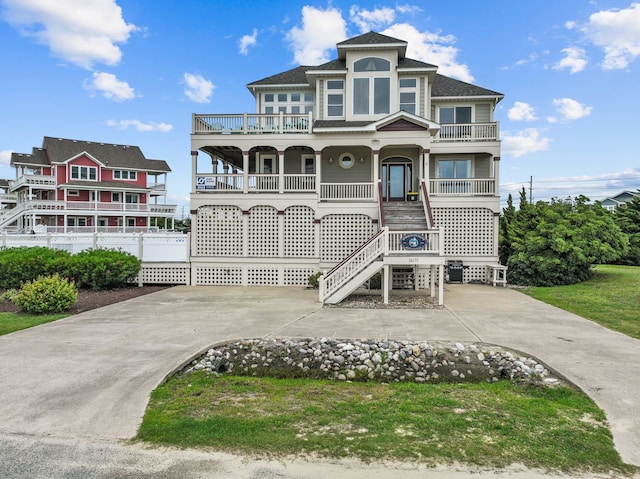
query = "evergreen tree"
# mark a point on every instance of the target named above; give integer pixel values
(627, 217)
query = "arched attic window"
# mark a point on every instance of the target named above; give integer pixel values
(371, 86)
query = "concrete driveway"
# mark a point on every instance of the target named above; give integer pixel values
(70, 389)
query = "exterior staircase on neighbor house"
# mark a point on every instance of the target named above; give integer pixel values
(405, 216)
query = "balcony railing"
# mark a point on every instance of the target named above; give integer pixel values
(8, 198)
(26, 180)
(77, 206)
(468, 132)
(251, 123)
(463, 187)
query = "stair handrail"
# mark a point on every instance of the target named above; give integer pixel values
(380, 204)
(357, 261)
(427, 204)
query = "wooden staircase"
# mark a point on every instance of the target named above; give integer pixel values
(405, 216)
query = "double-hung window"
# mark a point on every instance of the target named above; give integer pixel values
(295, 102)
(335, 98)
(371, 86)
(124, 175)
(84, 173)
(408, 94)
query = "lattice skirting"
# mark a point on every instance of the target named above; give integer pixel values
(251, 275)
(164, 273)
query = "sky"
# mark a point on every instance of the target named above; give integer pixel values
(133, 72)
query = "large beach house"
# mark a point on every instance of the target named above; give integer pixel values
(370, 162)
(83, 186)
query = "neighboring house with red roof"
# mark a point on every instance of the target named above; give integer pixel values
(370, 162)
(83, 186)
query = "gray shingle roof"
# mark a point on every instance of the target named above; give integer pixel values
(115, 156)
(340, 124)
(444, 86)
(37, 158)
(371, 38)
(4, 183)
(295, 76)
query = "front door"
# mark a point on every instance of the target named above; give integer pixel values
(396, 181)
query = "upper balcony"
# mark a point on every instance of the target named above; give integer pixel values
(246, 123)
(254, 123)
(41, 181)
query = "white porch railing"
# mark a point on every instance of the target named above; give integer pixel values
(347, 191)
(414, 242)
(300, 183)
(8, 198)
(251, 123)
(468, 132)
(462, 186)
(26, 180)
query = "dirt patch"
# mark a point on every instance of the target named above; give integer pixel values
(88, 299)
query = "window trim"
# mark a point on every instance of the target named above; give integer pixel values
(342, 160)
(337, 92)
(78, 169)
(408, 89)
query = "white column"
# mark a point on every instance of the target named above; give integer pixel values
(280, 172)
(496, 174)
(386, 283)
(318, 165)
(194, 170)
(245, 171)
(376, 173)
(432, 280)
(440, 285)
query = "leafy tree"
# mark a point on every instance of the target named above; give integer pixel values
(557, 243)
(627, 217)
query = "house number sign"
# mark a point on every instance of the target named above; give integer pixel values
(414, 242)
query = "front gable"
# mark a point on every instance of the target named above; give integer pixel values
(84, 159)
(404, 121)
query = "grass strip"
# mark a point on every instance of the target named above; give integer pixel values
(10, 322)
(478, 424)
(610, 298)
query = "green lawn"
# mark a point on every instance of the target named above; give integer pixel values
(611, 298)
(492, 425)
(10, 322)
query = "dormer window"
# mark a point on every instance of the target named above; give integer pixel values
(371, 86)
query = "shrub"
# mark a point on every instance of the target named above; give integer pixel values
(314, 279)
(18, 265)
(103, 268)
(47, 294)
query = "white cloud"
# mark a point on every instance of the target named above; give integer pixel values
(83, 32)
(368, 20)
(521, 111)
(410, 9)
(5, 157)
(575, 60)
(198, 88)
(316, 39)
(433, 48)
(617, 32)
(110, 87)
(248, 41)
(571, 109)
(140, 126)
(522, 142)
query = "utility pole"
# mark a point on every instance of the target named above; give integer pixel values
(531, 189)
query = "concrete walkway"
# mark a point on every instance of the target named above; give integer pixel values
(88, 377)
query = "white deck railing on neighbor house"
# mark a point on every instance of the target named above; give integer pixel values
(462, 187)
(47, 205)
(26, 180)
(468, 132)
(252, 123)
(8, 198)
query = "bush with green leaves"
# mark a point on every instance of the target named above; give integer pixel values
(99, 269)
(46, 295)
(314, 279)
(549, 244)
(23, 263)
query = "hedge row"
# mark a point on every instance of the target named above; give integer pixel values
(89, 269)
